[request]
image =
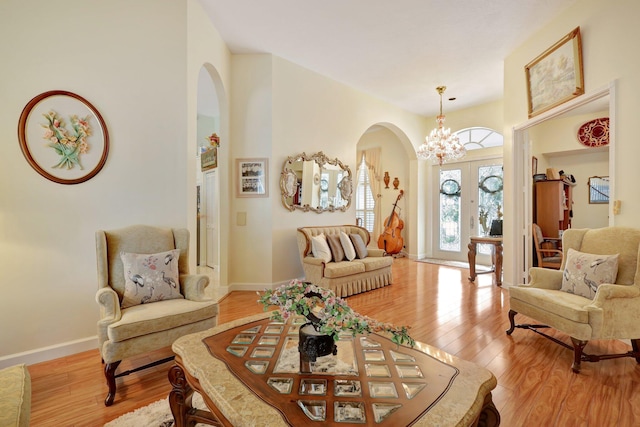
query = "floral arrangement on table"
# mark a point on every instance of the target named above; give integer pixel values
(330, 315)
(68, 144)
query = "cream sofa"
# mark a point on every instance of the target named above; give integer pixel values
(344, 277)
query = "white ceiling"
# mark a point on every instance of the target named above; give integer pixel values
(398, 51)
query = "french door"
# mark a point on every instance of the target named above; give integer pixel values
(467, 198)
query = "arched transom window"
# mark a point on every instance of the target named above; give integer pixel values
(477, 137)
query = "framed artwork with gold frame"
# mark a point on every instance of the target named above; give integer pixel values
(556, 76)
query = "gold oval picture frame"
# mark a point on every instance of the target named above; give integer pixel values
(63, 137)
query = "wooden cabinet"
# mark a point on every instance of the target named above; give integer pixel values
(553, 206)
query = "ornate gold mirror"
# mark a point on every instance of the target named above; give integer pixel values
(315, 183)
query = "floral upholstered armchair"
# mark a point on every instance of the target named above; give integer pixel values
(146, 295)
(595, 296)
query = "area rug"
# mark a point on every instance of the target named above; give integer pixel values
(157, 414)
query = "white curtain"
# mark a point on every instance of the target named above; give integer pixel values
(372, 160)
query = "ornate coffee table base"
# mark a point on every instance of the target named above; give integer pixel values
(489, 415)
(203, 365)
(180, 401)
(185, 415)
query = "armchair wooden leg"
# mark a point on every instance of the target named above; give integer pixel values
(110, 375)
(635, 344)
(578, 346)
(512, 315)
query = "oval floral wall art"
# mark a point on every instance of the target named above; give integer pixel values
(63, 137)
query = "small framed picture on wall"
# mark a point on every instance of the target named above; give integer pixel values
(252, 177)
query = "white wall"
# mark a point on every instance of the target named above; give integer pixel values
(585, 215)
(488, 115)
(314, 113)
(208, 64)
(609, 38)
(117, 61)
(133, 68)
(251, 127)
(205, 48)
(559, 136)
(279, 110)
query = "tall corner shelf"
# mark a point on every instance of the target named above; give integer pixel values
(553, 206)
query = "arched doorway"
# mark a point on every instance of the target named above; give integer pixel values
(386, 149)
(207, 176)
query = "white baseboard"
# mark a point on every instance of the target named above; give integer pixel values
(257, 287)
(49, 353)
(221, 291)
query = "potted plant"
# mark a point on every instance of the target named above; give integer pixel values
(330, 315)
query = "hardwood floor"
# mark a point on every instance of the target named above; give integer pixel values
(536, 386)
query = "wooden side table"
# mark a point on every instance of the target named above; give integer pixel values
(496, 257)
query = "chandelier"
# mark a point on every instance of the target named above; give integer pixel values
(440, 145)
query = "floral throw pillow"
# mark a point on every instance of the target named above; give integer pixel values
(583, 273)
(150, 277)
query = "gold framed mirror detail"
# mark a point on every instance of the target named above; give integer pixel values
(315, 183)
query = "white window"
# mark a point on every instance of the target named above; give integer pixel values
(365, 203)
(476, 138)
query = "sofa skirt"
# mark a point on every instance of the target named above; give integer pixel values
(362, 282)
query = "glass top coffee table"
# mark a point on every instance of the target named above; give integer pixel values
(247, 371)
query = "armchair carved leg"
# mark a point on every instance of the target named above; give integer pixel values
(512, 316)
(110, 374)
(578, 347)
(635, 344)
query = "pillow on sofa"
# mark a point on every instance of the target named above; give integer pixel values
(320, 248)
(358, 244)
(336, 247)
(349, 250)
(583, 273)
(150, 277)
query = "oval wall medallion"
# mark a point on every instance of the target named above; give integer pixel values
(594, 133)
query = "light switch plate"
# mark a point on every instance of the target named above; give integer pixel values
(241, 218)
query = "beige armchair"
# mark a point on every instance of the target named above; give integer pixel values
(15, 396)
(137, 329)
(613, 311)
